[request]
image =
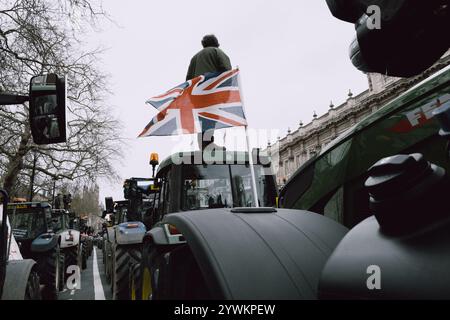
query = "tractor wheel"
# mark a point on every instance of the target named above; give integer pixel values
(84, 257)
(33, 291)
(103, 253)
(107, 265)
(106, 270)
(135, 282)
(121, 276)
(90, 247)
(49, 273)
(62, 271)
(135, 253)
(150, 269)
(111, 272)
(71, 255)
(119, 273)
(79, 255)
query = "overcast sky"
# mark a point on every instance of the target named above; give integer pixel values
(293, 57)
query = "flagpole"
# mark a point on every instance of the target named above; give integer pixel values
(250, 154)
(252, 170)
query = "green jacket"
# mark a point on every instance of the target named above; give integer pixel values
(209, 59)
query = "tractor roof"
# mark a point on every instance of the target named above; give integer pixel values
(60, 211)
(26, 205)
(139, 179)
(122, 203)
(218, 158)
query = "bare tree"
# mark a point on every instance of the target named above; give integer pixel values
(85, 201)
(42, 36)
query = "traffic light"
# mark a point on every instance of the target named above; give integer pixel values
(399, 38)
(48, 109)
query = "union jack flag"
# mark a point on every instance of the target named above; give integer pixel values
(210, 101)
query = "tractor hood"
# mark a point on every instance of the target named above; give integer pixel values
(287, 248)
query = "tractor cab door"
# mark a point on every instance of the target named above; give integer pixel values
(167, 198)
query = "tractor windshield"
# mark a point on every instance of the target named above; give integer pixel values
(145, 185)
(225, 186)
(59, 222)
(27, 223)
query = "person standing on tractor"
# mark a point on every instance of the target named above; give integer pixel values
(209, 59)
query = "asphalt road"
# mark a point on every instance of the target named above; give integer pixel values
(93, 282)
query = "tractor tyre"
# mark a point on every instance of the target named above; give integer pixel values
(49, 270)
(135, 282)
(121, 270)
(33, 291)
(62, 271)
(152, 284)
(71, 259)
(135, 253)
(71, 255)
(84, 257)
(104, 253)
(108, 262)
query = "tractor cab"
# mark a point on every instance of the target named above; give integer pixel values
(34, 228)
(139, 187)
(194, 181)
(332, 183)
(140, 194)
(60, 220)
(120, 211)
(28, 221)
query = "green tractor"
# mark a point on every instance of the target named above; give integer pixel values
(87, 240)
(70, 239)
(332, 183)
(123, 239)
(195, 182)
(19, 278)
(79, 224)
(116, 254)
(34, 229)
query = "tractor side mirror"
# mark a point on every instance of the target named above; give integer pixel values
(48, 109)
(109, 204)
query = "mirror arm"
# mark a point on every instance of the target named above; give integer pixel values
(11, 99)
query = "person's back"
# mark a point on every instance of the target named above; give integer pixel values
(209, 59)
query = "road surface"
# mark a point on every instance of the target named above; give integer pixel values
(93, 282)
